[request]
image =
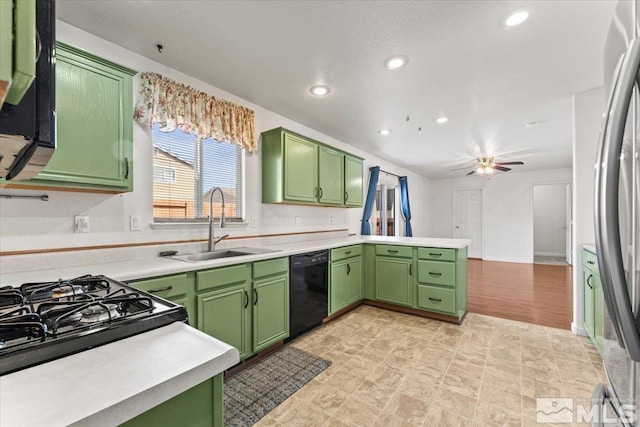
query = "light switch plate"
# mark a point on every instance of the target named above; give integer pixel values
(134, 223)
(81, 224)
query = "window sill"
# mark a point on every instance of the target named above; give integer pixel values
(195, 224)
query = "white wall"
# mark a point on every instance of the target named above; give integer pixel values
(507, 210)
(549, 220)
(587, 115)
(28, 224)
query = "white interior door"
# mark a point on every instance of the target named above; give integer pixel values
(568, 216)
(467, 219)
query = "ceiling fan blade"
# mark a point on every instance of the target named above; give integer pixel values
(458, 169)
(500, 168)
(509, 163)
(472, 172)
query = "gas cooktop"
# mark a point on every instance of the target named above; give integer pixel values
(43, 321)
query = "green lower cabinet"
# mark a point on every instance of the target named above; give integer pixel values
(200, 406)
(345, 287)
(598, 321)
(394, 282)
(270, 311)
(177, 288)
(593, 299)
(438, 299)
(589, 302)
(338, 287)
(225, 314)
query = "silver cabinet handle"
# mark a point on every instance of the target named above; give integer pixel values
(607, 222)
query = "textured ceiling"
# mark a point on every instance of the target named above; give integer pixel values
(490, 81)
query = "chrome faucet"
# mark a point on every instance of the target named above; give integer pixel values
(212, 239)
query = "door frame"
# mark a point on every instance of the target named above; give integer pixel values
(531, 207)
(482, 213)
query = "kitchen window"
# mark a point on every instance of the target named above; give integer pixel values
(186, 168)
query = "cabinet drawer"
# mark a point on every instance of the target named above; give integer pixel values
(167, 287)
(222, 276)
(437, 254)
(437, 273)
(590, 261)
(270, 266)
(437, 299)
(346, 252)
(399, 251)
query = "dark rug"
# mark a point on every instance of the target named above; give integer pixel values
(254, 392)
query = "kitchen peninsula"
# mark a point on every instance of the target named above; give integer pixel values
(422, 276)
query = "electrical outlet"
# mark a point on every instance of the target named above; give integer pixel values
(254, 222)
(134, 223)
(81, 224)
(333, 220)
(297, 220)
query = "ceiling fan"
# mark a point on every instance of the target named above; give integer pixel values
(487, 166)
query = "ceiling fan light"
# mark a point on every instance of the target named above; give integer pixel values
(489, 171)
(480, 170)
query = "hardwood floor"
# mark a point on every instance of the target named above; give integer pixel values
(533, 293)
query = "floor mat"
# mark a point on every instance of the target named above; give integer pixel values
(254, 392)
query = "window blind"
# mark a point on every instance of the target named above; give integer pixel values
(185, 170)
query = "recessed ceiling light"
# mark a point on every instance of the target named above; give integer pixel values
(320, 90)
(396, 62)
(534, 124)
(384, 131)
(442, 120)
(514, 18)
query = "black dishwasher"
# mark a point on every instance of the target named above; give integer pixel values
(308, 291)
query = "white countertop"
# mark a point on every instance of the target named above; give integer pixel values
(591, 247)
(157, 266)
(115, 382)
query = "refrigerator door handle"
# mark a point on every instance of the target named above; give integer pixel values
(607, 221)
(608, 293)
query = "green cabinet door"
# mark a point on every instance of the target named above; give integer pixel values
(598, 312)
(589, 302)
(94, 102)
(353, 181)
(270, 311)
(354, 274)
(225, 315)
(330, 176)
(6, 48)
(394, 281)
(338, 286)
(300, 170)
(200, 406)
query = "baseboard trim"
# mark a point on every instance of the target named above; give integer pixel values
(415, 311)
(578, 330)
(549, 254)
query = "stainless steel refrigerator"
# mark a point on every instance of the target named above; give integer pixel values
(617, 222)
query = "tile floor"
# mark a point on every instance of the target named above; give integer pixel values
(392, 369)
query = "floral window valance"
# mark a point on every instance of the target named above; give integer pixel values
(178, 106)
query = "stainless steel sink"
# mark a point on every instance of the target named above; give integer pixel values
(224, 253)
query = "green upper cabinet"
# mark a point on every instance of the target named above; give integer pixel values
(94, 103)
(353, 181)
(330, 177)
(299, 170)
